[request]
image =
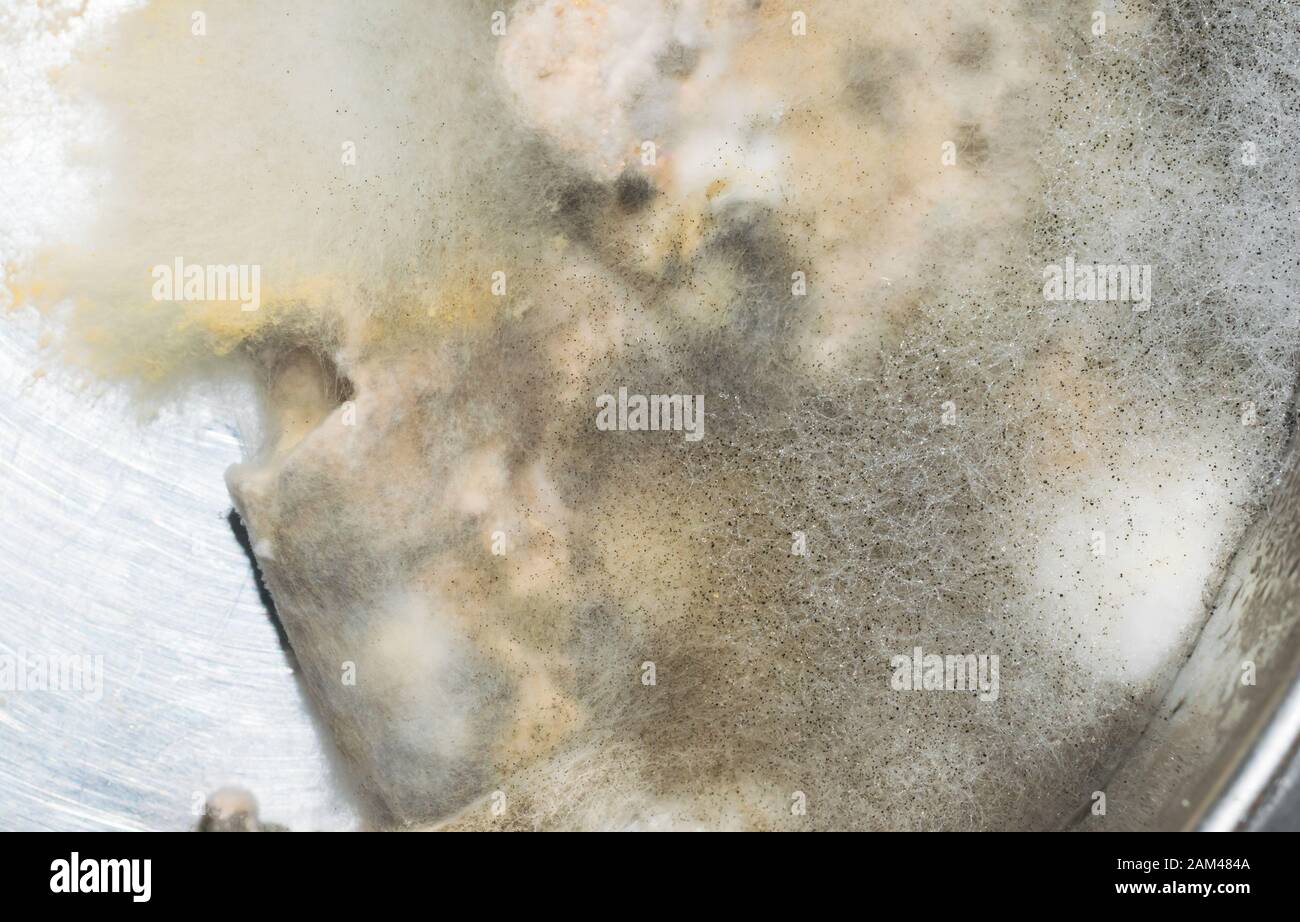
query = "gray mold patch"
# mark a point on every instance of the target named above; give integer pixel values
(512, 618)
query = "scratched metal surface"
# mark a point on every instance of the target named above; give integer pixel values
(114, 543)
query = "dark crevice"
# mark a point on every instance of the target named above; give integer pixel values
(240, 532)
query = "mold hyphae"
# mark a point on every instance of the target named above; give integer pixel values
(973, 302)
